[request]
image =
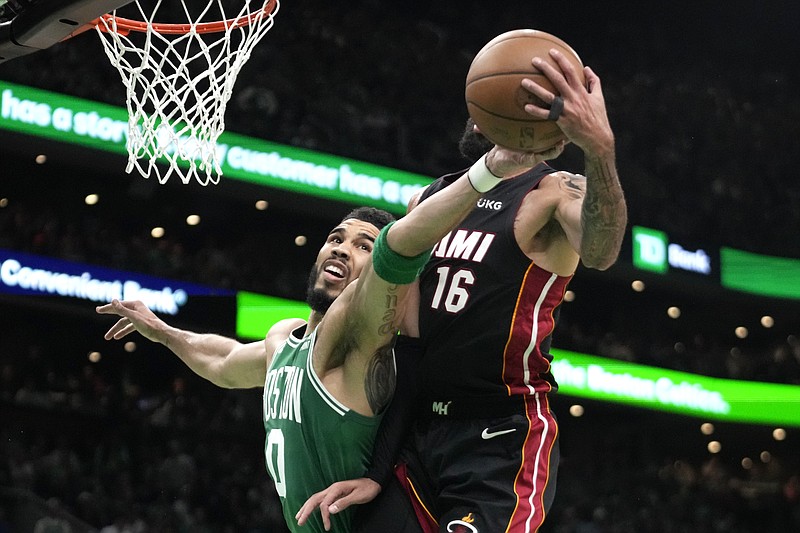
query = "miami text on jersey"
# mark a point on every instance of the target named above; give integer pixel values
(464, 244)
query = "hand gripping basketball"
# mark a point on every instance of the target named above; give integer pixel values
(583, 117)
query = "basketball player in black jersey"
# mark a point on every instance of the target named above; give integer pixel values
(483, 448)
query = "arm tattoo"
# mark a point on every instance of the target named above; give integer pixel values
(603, 214)
(380, 379)
(571, 183)
(380, 375)
(390, 311)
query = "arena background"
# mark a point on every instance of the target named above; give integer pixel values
(703, 99)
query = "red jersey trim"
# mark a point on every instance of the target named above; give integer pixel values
(532, 321)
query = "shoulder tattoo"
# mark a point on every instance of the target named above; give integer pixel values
(572, 184)
(380, 379)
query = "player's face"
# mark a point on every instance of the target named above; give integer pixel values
(341, 259)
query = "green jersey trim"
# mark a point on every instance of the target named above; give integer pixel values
(323, 393)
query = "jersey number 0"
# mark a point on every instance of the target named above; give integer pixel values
(275, 460)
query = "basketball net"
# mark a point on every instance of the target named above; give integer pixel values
(179, 79)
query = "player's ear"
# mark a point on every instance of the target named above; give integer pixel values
(412, 203)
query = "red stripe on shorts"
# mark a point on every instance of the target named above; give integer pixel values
(534, 472)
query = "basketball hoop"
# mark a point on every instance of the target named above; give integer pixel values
(179, 79)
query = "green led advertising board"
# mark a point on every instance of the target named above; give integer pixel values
(256, 313)
(760, 274)
(82, 122)
(598, 378)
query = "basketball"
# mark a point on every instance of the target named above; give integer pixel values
(496, 100)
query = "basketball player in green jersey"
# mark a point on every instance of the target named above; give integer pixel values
(327, 380)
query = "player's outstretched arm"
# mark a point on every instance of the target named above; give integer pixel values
(427, 222)
(375, 308)
(223, 361)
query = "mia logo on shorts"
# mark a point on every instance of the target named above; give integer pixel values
(462, 526)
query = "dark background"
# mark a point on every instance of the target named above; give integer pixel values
(703, 99)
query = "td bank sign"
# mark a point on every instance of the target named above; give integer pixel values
(652, 251)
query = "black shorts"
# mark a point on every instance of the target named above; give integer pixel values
(484, 474)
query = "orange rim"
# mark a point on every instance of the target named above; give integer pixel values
(123, 26)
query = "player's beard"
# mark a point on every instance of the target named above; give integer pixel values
(473, 144)
(317, 299)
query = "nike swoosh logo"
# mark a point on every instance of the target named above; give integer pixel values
(485, 435)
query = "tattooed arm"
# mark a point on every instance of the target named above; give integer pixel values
(604, 214)
(592, 212)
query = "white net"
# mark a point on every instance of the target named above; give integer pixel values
(179, 84)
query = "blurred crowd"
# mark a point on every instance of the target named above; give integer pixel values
(642, 479)
(121, 458)
(122, 451)
(705, 149)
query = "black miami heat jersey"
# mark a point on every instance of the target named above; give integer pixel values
(487, 312)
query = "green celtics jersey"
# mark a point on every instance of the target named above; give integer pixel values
(312, 439)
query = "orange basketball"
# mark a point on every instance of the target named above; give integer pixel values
(496, 100)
